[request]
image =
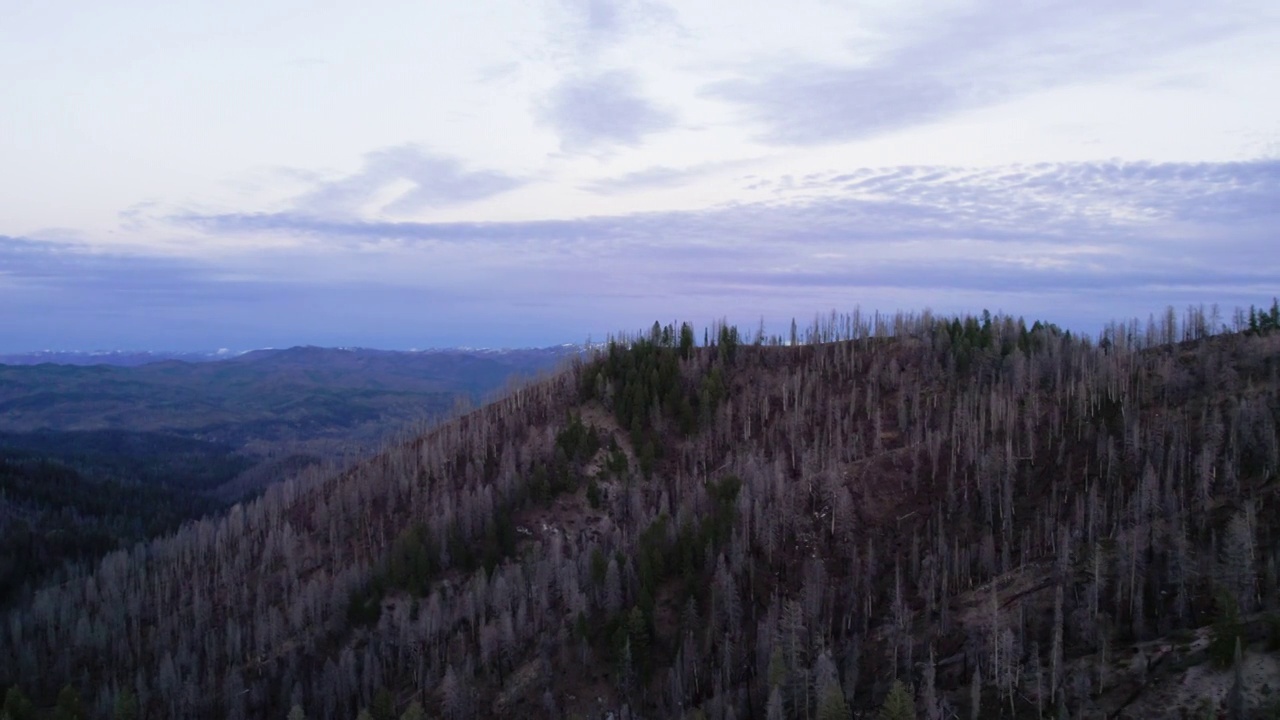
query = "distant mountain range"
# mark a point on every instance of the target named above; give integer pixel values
(134, 358)
(121, 358)
(103, 449)
(307, 399)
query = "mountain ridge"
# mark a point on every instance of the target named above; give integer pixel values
(134, 358)
(986, 512)
(171, 440)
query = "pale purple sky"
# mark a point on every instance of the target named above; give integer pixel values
(236, 174)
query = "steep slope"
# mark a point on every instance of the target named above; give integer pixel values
(1006, 519)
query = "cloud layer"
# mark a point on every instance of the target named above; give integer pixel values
(949, 62)
(1075, 243)
(599, 111)
(450, 176)
(1079, 243)
(420, 180)
(1063, 204)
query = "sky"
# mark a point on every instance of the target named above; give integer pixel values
(197, 175)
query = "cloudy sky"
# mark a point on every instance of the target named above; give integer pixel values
(246, 174)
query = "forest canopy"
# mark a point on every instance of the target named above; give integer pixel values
(906, 515)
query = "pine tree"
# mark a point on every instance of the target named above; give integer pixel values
(831, 705)
(414, 712)
(775, 710)
(975, 694)
(69, 706)
(1239, 568)
(126, 706)
(383, 705)
(777, 672)
(686, 340)
(826, 682)
(1225, 632)
(898, 705)
(17, 706)
(794, 641)
(453, 695)
(930, 706)
(1235, 699)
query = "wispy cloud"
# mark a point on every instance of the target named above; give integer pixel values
(598, 102)
(1062, 203)
(594, 25)
(598, 111)
(660, 177)
(432, 180)
(1127, 237)
(46, 264)
(956, 61)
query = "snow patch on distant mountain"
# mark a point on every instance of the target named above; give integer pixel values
(119, 358)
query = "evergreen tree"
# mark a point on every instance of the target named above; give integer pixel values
(686, 340)
(1235, 699)
(975, 694)
(775, 710)
(929, 693)
(383, 705)
(414, 712)
(453, 695)
(17, 706)
(69, 706)
(826, 682)
(831, 705)
(126, 707)
(898, 704)
(1226, 631)
(777, 668)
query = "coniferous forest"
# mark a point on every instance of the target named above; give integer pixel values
(874, 516)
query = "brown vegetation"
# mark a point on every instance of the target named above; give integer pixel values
(991, 514)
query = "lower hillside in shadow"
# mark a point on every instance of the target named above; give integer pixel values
(96, 457)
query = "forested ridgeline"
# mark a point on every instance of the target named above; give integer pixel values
(98, 457)
(931, 515)
(53, 513)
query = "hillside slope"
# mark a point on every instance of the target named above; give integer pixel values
(97, 457)
(1006, 519)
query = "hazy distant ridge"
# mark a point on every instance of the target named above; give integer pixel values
(135, 358)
